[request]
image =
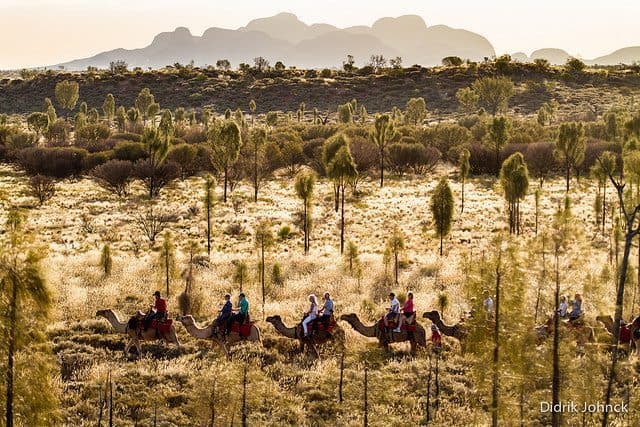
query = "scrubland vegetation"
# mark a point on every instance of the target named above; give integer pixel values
(500, 185)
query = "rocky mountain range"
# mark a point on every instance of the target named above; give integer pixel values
(285, 38)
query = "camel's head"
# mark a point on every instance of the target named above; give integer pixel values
(102, 313)
(273, 319)
(433, 315)
(349, 317)
(187, 320)
(603, 318)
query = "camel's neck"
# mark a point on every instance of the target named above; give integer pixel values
(284, 330)
(448, 330)
(608, 324)
(200, 333)
(120, 327)
(367, 331)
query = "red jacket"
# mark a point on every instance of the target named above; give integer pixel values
(160, 305)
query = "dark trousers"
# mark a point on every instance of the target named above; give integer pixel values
(159, 315)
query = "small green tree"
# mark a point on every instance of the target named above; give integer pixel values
(514, 179)
(67, 94)
(106, 263)
(352, 256)
(109, 107)
(209, 201)
(167, 260)
(463, 171)
(494, 93)
(396, 245)
(263, 240)
(467, 100)
(416, 111)
(498, 136)
(442, 209)
(225, 142)
(166, 127)
(26, 301)
(341, 170)
(345, 113)
(38, 123)
(252, 108)
(257, 138)
(304, 184)
(382, 134)
(240, 273)
(570, 148)
(143, 102)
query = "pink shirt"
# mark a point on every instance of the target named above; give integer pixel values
(408, 306)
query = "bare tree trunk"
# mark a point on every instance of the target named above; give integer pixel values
(13, 312)
(341, 378)
(381, 167)
(366, 398)
(618, 313)
(226, 172)
(462, 197)
(208, 225)
(496, 347)
(244, 396)
(428, 409)
(555, 382)
(110, 401)
(212, 405)
(604, 206)
(342, 223)
(262, 274)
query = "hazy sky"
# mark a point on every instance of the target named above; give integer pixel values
(42, 32)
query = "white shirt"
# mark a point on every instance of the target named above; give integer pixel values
(395, 305)
(488, 304)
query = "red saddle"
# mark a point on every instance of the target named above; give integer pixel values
(625, 334)
(244, 329)
(319, 325)
(392, 325)
(163, 326)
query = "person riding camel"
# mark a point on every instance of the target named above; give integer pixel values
(225, 313)
(436, 337)
(241, 313)
(488, 306)
(407, 312)
(327, 309)
(576, 311)
(311, 315)
(562, 309)
(158, 311)
(393, 311)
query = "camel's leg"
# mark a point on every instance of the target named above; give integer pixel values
(128, 346)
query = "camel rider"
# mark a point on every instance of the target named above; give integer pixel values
(488, 306)
(327, 309)
(407, 312)
(242, 312)
(311, 315)
(436, 337)
(562, 309)
(158, 311)
(576, 311)
(225, 313)
(393, 310)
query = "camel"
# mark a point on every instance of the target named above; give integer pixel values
(457, 331)
(149, 335)
(224, 341)
(583, 333)
(416, 339)
(634, 329)
(625, 337)
(296, 333)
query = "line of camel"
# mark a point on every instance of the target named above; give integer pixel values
(416, 339)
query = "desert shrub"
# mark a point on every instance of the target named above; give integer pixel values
(195, 135)
(277, 275)
(312, 150)
(234, 229)
(284, 232)
(156, 177)
(292, 155)
(98, 146)
(20, 140)
(404, 156)
(42, 188)
(273, 156)
(482, 159)
(58, 132)
(317, 131)
(6, 131)
(127, 136)
(364, 153)
(95, 159)
(593, 150)
(54, 162)
(203, 158)
(540, 159)
(447, 135)
(127, 150)
(92, 133)
(115, 176)
(184, 155)
(272, 118)
(326, 73)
